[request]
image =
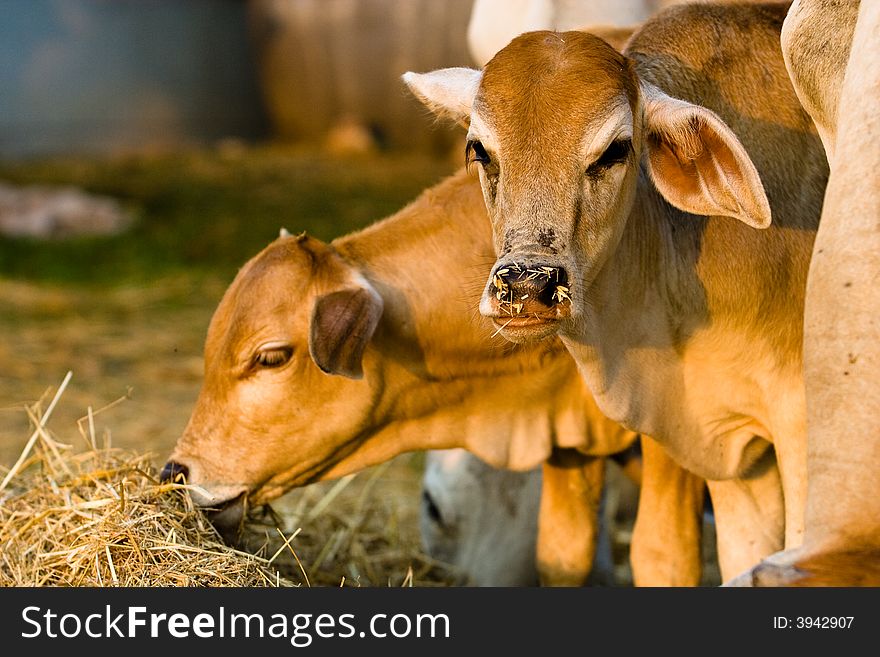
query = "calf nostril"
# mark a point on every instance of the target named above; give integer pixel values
(517, 287)
(174, 472)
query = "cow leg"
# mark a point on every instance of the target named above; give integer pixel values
(841, 327)
(568, 521)
(666, 539)
(749, 517)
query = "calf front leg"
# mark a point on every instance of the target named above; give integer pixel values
(667, 536)
(568, 521)
(749, 517)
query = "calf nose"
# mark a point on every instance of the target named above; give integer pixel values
(520, 289)
(174, 472)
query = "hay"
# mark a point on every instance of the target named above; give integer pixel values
(111, 523)
(99, 516)
(345, 533)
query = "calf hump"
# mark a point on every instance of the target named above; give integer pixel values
(343, 322)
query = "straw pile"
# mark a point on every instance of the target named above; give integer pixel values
(105, 520)
(101, 517)
(346, 533)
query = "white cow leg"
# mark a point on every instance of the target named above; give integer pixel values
(749, 517)
(568, 521)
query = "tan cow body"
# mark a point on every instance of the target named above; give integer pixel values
(407, 365)
(416, 373)
(610, 172)
(832, 52)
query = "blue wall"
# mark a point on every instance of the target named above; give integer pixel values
(116, 75)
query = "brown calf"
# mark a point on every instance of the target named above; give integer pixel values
(624, 193)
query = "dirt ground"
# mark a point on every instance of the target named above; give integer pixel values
(138, 336)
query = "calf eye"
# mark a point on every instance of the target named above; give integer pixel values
(475, 152)
(272, 357)
(616, 153)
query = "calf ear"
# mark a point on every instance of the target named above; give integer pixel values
(343, 323)
(448, 92)
(698, 164)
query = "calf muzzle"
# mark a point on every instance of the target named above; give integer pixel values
(226, 517)
(521, 291)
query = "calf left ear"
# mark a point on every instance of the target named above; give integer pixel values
(698, 164)
(342, 325)
(448, 92)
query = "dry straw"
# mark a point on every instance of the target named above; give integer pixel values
(101, 517)
(346, 533)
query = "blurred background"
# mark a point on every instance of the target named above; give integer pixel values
(106, 76)
(148, 148)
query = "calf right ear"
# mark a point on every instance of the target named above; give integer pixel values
(698, 164)
(448, 92)
(342, 325)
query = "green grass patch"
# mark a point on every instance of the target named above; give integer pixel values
(207, 212)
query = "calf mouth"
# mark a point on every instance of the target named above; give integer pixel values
(526, 328)
(228, 518)
(231, 519)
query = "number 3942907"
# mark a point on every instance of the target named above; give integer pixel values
(824, 622)
(813, 622)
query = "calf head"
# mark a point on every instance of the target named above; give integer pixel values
(296, 312)
(482, 520)
(565, 132)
